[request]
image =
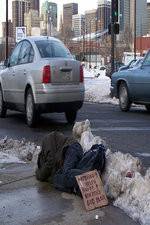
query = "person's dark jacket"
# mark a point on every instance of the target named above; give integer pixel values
(51, 157)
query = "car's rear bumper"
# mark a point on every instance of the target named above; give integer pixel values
(59, 107)
(59, 94)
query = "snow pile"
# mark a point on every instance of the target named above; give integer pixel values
(82, 132)
(15, 151)
(122, 178)
(135, 197)
(118, 167)
(98, 89)
(92, 73)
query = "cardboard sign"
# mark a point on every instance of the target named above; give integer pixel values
(92, 190)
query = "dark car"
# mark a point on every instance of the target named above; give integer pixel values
(133, 85)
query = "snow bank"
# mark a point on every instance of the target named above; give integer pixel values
(92, 73)
(135, 197)
(97, 89)
(15, 151)
(122, 178)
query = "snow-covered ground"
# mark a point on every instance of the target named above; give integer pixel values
(97, 87)
(17, 151)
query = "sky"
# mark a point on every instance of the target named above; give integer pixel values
(83, 5)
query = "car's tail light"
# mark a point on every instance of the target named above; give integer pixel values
(81, 74)
(46, 74)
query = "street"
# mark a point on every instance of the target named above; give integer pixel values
(24, 200)
(126, 132)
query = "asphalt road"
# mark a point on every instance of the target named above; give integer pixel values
(126, 132)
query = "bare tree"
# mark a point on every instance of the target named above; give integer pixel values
(124, 44)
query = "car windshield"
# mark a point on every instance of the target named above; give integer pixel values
(138, 62)
(132, 63)
(52, 49)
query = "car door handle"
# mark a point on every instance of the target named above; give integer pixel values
(24, 72)
(13, 73)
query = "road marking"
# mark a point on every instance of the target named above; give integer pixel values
(143, 154)
(121, 129)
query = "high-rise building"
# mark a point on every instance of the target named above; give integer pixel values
(10, 29)
(31, 21)
(19, 7)
(68, 11)
(141, 17)
(148, 17)
(124, 15)
(49, 13)
(90, 21)
(78, 25)
(103, 14)
(35, 4)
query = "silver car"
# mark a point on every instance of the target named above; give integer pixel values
(41, 76)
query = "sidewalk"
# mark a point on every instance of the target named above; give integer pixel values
(24, 200)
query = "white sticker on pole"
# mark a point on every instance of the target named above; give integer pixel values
(20, 33)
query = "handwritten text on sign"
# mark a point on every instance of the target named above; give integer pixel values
(92, 190)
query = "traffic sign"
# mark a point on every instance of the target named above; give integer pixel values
(20, 33)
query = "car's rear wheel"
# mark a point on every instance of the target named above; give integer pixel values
(71, 116)
(31, 113)
(3, 109)
(147, 107)
(124, 100)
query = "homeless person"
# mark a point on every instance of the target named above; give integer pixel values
(62, 158)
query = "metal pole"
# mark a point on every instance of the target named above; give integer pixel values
(6, 50)
(90, 45)
(96, 36)
(112, 39)
(134, 29)
(83, 30)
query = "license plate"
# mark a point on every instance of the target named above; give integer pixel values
(67, 76)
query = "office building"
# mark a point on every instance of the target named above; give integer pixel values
(19, 8)
(103, 15)
(49, 13)
(124, 15)
(78, 25)
(90, 21)
(35, 4)
(141, 17)
(148, 17)
(10, 29)
(31, 21)
(68, 11)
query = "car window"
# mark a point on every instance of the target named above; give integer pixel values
(51, 49)
(146, 62)
(59, 50)
(14, 56)
(26, 53)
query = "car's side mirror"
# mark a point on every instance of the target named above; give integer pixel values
(7, 63)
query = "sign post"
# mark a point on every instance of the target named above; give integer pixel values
(20, 33)
(92, 190)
